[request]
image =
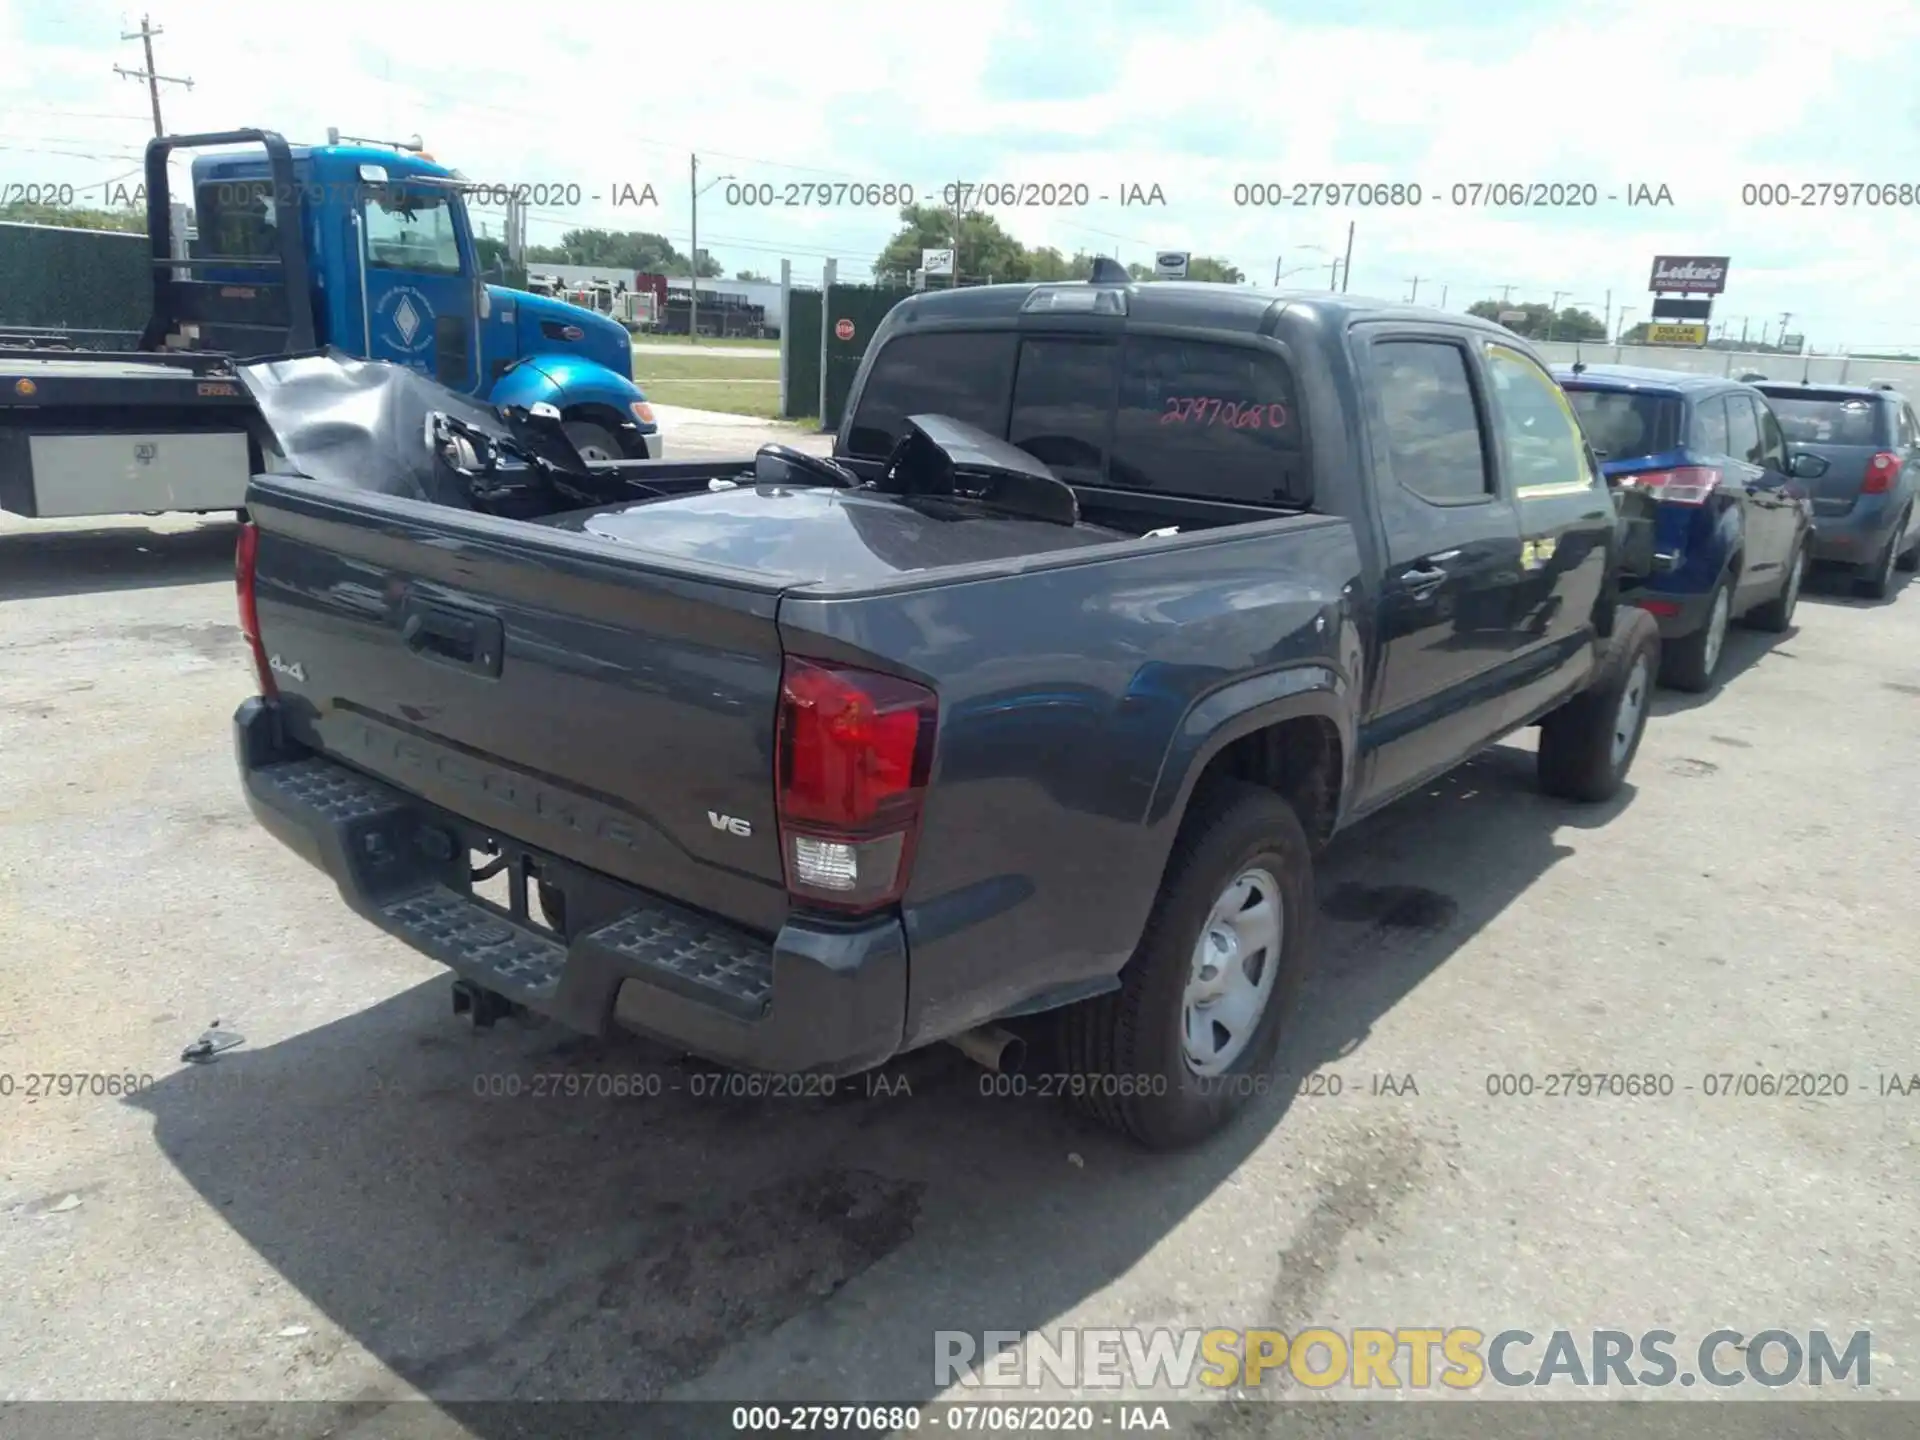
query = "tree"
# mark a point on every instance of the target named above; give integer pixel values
(1205, 267)
(74, 217)
(983, 248)
(622, 250)
(1539, 322)
(753, 275)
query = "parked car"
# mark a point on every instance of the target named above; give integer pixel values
(1113, 605)
(1868, 439)
(1731, 538)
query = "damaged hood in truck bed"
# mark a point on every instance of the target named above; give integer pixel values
(363, 424)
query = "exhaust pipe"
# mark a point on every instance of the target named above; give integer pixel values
(992, 1047)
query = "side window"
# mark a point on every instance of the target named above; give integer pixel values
(1428, 420)
(238, 218)
(965, 374)
(1743, 430)
(411, 230)
(1541, 436)
(1708, 433)
(1909, 427)
(1210, 421)
(1773, 443)
(1063, 405)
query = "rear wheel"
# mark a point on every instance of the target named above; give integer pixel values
(594, 442)
(1909, 561)
(1189, 1037)
(1587, 745)
(1689, 662)
(1777, 614)
(1878, 582)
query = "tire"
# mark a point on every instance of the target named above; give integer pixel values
(1588, 744)
(1878, 583)
(1689, 662)
(1909, 561)
(1128, 1048)
(594, 442)
(1777, 614)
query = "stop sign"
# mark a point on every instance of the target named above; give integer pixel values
(843, 329)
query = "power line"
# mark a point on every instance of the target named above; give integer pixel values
(145, 35)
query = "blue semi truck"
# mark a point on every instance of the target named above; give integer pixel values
(358, 247)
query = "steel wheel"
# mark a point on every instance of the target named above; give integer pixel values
(1717, 628)
(1232, 973)
(1627, 714)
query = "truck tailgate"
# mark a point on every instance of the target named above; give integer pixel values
(553, 687)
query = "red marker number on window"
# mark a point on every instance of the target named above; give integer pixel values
(1231, 414)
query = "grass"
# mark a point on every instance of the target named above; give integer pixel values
(738, 368)
(642, 342)
(734, 383)
(762, 401)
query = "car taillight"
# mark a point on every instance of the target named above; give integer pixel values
(853, 753)
(246, 554)
(1881, 472)
(1687, 485)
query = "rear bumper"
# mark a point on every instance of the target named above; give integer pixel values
(1677, 615)
(1856, 538)
(817, 998)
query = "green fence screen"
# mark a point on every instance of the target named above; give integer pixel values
(74, 279)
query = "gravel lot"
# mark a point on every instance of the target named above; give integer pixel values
(331, 1211)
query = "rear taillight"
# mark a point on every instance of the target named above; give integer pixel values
(1687, 485)
(246, 554)
(853, 755)
(1882, 470)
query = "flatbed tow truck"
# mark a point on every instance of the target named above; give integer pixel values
(362, 249)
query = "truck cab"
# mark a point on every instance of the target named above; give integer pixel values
(392, 273)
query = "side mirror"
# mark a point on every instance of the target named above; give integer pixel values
(1805, 465)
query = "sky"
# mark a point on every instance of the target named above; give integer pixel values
(1196, 98)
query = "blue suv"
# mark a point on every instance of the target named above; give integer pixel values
(1733, 524)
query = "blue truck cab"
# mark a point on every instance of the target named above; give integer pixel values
(1733, 524)
(385, 268)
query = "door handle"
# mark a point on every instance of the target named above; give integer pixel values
(453, 637)
(1423, 578)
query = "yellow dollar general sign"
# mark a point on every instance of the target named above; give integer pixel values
(1676, 334)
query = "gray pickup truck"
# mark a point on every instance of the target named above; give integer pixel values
(1039, 698)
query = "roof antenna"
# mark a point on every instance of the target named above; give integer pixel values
(1579, 365)
(1108, 271)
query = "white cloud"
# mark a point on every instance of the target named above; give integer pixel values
(1701, 98)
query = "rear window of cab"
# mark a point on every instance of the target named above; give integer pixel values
(1163, 415)
(1626, 424)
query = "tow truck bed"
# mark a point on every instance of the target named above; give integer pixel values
(122, 432)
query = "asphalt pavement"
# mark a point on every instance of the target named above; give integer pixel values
(364, 1200)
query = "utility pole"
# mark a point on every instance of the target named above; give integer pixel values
(1606, 324)
(693, 265)
(1743, 330)
(1333, 274)
(145, 35)
(1276, 272)
(1346, 265)
(1443, 297)
(1505, 292)
(1785, 316)
(1414, 296)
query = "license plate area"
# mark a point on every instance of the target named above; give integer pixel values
(519, 885)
